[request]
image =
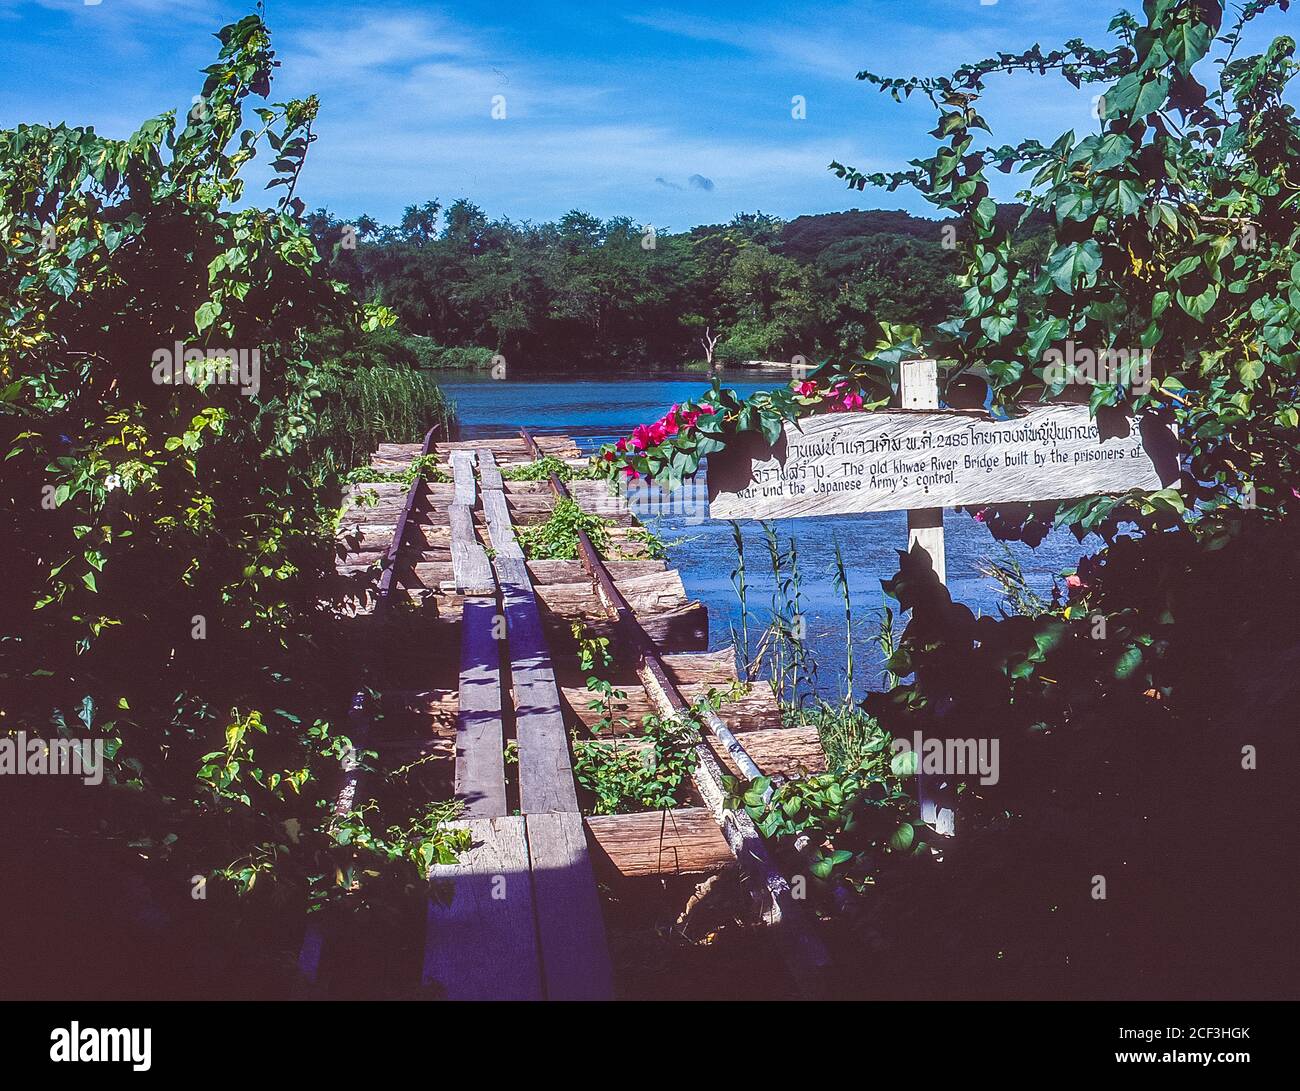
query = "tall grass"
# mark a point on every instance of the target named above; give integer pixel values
(374, 405)
(740, 584)
(849, 736)
(1007, 573)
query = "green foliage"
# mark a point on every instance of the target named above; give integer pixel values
(170, 564)
(855, 817)
(557, 537)
(540, 469)
(373, 405)
(424, 466)
(642, 775)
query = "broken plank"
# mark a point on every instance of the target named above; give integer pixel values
(549, 571)
(784, 751)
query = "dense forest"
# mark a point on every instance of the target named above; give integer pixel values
(586, 293)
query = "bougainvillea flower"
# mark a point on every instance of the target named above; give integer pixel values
(806, 389)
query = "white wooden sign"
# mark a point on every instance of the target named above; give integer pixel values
(838, 463)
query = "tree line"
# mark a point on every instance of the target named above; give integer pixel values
(585, 293)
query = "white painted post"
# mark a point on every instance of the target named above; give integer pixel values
(918, 388)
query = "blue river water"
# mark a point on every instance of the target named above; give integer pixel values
(596, 411)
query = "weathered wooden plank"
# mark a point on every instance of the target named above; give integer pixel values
(682, 629)
(480, 744)
(481, 937)
(547, 571)
(650, 593)
(783, 751)
(487, 469)
(896, 459)
(500, 526)
(471, 571)
(545, 771)
(681, 841)
(918, 388)
(462, 468)
(755, 711)
(716, 667)
(570, 925)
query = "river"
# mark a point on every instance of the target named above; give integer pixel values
(596, 411)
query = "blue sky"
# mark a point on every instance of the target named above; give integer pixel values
(674, 113)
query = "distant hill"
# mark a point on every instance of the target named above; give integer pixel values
(805, 237)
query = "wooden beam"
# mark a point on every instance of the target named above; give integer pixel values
(681, 841)
(471, 571)
(545, 771)
(480, 745)
(918, 388)
(481, 936)
(570, 924)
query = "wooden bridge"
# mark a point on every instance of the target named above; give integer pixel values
(495, 663)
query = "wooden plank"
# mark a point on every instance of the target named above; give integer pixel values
(681, 841)
(715, 667)
(755, 711)
(471, 572)
(481, 938)
(897, 459)
(548, 571)
(645, 594)
(480, 744)
(785, 751)
(570, 925)
(500, 526)
(545, 771)
(487, 468)
(462, 468)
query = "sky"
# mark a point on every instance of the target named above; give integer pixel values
(673, 114)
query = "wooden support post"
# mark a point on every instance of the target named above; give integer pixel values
(918, 388)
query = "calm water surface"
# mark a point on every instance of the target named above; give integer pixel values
(596, 411)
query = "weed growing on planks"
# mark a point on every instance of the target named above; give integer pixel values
(557, 538)
(542, 468)
(426, 466)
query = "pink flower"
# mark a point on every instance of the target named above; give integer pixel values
(978, 516)
(670, 423)
(608, 456)
(629, 472)
(842, 396)
(621, 445)
(806, 389)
